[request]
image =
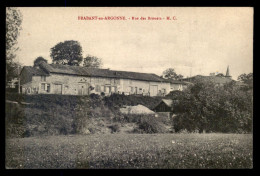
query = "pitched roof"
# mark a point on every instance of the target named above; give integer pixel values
(85, 71)
(168, 102)
(34, 71)
(214, 79)
(176, 81)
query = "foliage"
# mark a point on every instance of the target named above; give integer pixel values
(247, 79)
(13, 70)
(131, 151)
(206, 106)
(13, 27)
(150, 124)
(70, 114)
(67, 53)
(117, 100)
(171, 74)
(92, 62)
(115, 127)
(38, 60)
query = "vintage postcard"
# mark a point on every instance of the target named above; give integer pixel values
(129, 87)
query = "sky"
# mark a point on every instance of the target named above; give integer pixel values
(200, 40)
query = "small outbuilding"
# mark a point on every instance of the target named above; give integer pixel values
(164, 107)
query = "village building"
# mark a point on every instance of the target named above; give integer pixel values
(164, 107)
(177, 85)
(77, 80)
(218, 79)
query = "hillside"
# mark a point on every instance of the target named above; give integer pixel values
(36, 115)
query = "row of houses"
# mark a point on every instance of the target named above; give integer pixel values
(77, 80)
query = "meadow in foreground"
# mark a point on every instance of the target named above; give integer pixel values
(174, 151)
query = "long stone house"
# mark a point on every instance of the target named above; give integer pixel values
(77, 80)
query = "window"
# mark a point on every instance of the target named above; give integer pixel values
(132, 89)
(163, 91)
(98, 89)
(102, 88)
(113, 89)
(48, 88)
(43, 78)
(107, 89)
(42, 86)
(45, 87)
(29, 90)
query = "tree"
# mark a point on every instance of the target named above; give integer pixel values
(92, 62)
(217, 109)
(13, 27)
(247, 79)
(13, 69)
(67, 53)
(171, 74)
(38, 60)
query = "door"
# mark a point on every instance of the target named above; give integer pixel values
(153, 90)
(83, 89)
(107, 89)
(57, 88)
(113, 89)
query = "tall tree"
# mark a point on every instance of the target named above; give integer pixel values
(13, 27)
(171, 74)
(92, 62)
(38, 60)
(67, 53)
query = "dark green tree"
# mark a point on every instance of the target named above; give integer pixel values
(205, 106)
(247, 79)
(38, 60)
(13, 27)
(67, 53)
(171, 74)
(92, 62)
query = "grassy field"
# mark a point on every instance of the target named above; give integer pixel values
(131, 151)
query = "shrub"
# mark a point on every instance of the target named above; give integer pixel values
(217, 109)
(114, 128)
(146, 123)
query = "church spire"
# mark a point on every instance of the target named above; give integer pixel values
(227, 73)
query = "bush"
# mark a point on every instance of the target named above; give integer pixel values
(217, 109)
(66, 114)
(146, 123)
(114, 128)
(118, 100)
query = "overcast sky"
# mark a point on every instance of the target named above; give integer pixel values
(200, 41)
